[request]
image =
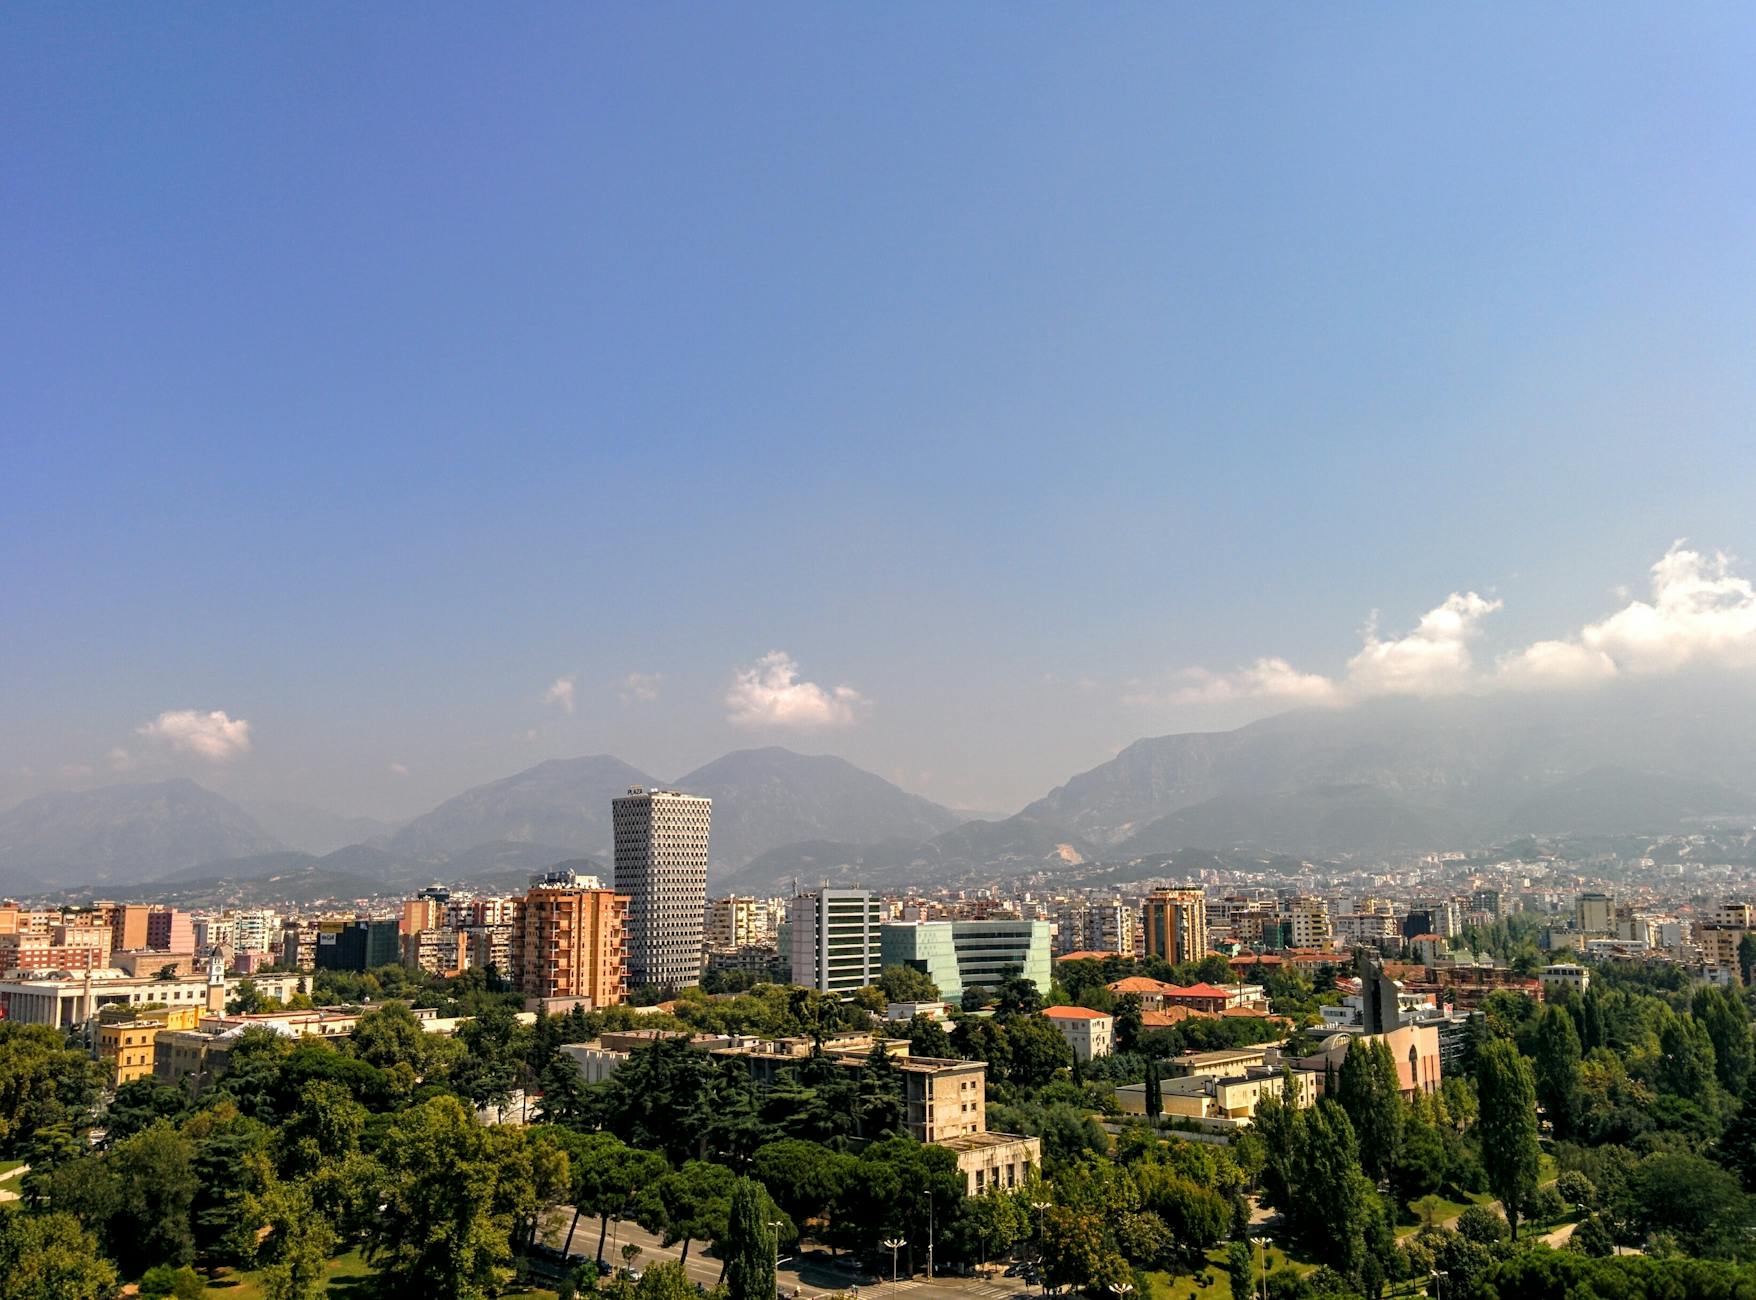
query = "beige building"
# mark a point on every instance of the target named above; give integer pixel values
(1174, 923)
(125, 1046)
(1308, 920)
(64, 1002)
(1229, 1098)
(735, 922)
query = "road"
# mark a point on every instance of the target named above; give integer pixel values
(814, 1276)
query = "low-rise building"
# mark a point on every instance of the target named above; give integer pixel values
(1088, 1033)
(1565, 975)
(125, 1044)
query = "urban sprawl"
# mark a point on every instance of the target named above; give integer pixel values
(1318, 1084)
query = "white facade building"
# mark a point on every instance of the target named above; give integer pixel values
(834, 939)
(661, 865)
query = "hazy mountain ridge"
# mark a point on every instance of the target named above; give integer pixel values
(1387, 776)
(766, 798)
(122, 832)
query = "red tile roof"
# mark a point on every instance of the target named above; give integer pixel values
(1074, 1013)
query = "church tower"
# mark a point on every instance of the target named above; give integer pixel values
(216, 982)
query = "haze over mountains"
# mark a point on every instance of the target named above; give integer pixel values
(1383, 777)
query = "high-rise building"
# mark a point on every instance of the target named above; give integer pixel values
(661, 867)
(128, 926)
(1175, 922)
(833, 934)
(1594, 913)
(568, 940)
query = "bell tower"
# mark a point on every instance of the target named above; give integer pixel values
(216, 982)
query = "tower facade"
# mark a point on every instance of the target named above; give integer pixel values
(1175, 922)
(661, 868)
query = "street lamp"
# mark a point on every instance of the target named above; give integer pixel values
(894, 1244)
(1262, 1263)
(774, 1226)
(1439, 1275)
(1120, 1289)
(1042, 1277)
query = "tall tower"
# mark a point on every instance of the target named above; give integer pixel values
(1175, 921)
(216, 982)
(661, 868)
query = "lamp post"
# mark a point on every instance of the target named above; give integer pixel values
(774, 1227)
(1439, 1275)
(894, 1244)
(1262, 1264)
(1042, 1279)
(1121, 1289)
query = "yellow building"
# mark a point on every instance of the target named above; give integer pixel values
(127, 1046)
(1175, 925)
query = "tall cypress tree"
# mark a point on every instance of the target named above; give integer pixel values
(1507, 1126)
(1557, 1069)
(1155, 1099)
(749, 1244)
(1371, 1094)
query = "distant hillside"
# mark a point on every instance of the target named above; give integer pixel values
(122, 832)
(313, 830)
(1394, 775)
(764, 798)
(564, 802)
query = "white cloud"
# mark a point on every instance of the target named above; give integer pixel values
(1434, 659)
(212, 736)
(1700, 613)
(397, 769)
(121, 760)
(560, 694)
(642, 688)
(1549, 665)
(1266, 679)
(769, 694)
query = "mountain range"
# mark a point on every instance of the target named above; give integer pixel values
(1377, 779)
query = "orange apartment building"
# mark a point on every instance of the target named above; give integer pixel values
(569, 941)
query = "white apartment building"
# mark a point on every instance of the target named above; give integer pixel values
(216, 932)
(258, 931)
(661, 865)
(1089, 1033)
(833, 937)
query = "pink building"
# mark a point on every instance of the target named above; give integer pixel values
(170, 929)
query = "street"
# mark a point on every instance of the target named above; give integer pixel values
(816, 1275)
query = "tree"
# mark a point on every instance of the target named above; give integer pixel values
(1037, 1050)
(690, 1204)
(667, 1280)
(1370, 1093)
(803, 1178)
(1073, 1249)
(749, 1246)
(1155, 1101)
(1506, 1094)
(230, 1163)
(1331, 1217)
(1593, 1237)
(1686, 1063)
(452, 1191)
(51, 1257)
(326, 1127)
(1556, 1067)
(1128, 1021)
(1747, 958)
(906, 984)
(607, 1176)
(1691, 1198)
(1727, 1021)
(1019, 997)
(878, 1107)
(389, 1035)
(927, 1037)
(42, 1082)
(296, 1246)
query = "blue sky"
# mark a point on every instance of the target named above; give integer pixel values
(367, 372)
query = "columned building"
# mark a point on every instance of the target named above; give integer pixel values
(661, 868)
